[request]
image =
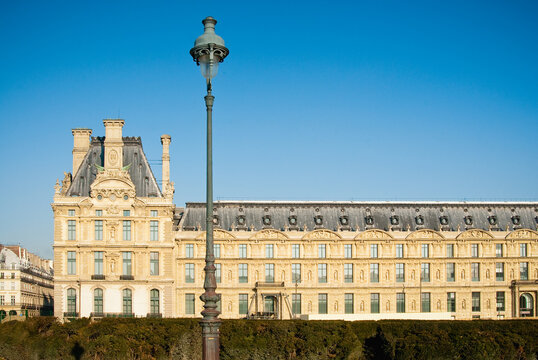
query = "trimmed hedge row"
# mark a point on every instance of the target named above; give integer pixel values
(44, 338)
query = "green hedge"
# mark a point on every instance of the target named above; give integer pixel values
(44, 338)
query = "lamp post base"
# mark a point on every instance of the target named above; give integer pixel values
(210, 339)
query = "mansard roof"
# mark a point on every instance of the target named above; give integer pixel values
(133, 154)
(388, 216)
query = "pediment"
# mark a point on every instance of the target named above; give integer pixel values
(425, 234)
(112, 182)
(322, 234)
(474, 234)
(269, 234)
(526, 234)
(374, 234)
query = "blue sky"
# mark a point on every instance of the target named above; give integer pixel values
(320, 100)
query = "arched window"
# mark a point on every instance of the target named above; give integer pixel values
(127, 302)
(154, 302)
(526, 305)
(98, 302)
(71, 301)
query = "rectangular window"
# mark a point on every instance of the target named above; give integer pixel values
(243, 304)
(189, 251)
(216, 250)
(474, 250)
(450, 250)
(425, 272)
(425, 302)
(322, 273)
(12, 299)
(242, 251)
(189, 304)
(269, 273)
(499, 271)
(269, 251)
(524, 271)
(98, 212)
(154, 213)
(218, 273)
(374, 273)
(374, 303)
(127, 258)
(296, 304)
(126, 213)
(71, 263)
(154, 263)
(373, 250)
(425, 250)
(348, 273)
(500, 300)
(126, 230)
(400, 272)
(98, 229)
(295, 273)
(475, 271)
(189, 273)
(71, 230)
(322, 303)
(243, 273)
(295, 251)
(451, 302)
(400, 302)
(523, 250)
(348, 251)
(322, 251)
(154, 230)
(2, 299)
(348, 303)
(399, 251)
(499, 250)
(98, 262)
(475, 301)
(450, 272)
(70, 212)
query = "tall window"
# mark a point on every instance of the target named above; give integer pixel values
(322, 273)
(475, 301)
(500, 300)
(348, 303)
(499, 250)
(475, 271)
(243, 273)
(154, 302)
(71, 301)
(189, 251)
(2, 299)
(374, 273)
(348, 251)
(189, 273)
(450, 272)
(269, 273)
(295, 251)
(373, 250)
(71, 263)
(98, 229)
(98, 262)
(242, 251)
(348, 273)
(425, 250)
(400, 302)
(218, 273)
(400, 272)
(374, 303)
(127, 302)
(296, 303)
(71, 230)
(425, 272)
(154, 263)
(216, 250)
(451, 302)
(189, 304)
(98, 301)
(474, 250)
(524, 271)
(450, 250)
(127, 265)
(523, 250)
(295, 273)
(269, 251)
(399, 251)
(425, 302)
(243, 304)
(499, 271)
(126, 230)
(154, 230)
(322, 251)
(322, 303)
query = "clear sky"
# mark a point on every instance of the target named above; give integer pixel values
(318, 100)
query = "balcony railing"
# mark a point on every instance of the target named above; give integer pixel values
(126, 277)
(98, 277)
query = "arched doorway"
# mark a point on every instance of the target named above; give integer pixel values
(526, 305)
(2, 315)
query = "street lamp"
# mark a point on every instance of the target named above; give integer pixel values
(208, 52)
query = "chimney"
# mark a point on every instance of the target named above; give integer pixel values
(81, 145)
(113, 143)
(166, 140)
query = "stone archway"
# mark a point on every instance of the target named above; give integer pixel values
(526, 305)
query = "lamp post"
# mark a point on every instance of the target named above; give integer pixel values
(208, 52)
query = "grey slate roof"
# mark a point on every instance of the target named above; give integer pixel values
(140, 171)
(506, 215)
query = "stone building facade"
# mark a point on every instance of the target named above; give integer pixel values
(122, 248)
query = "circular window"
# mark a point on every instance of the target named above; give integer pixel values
(292, 220)
(516, 220)
(241, 220)
(99, 197)
(267, 220)
(443, 220)
(344, 220)
(492, 220)
(468, 220)
(419, 220)
(318, 220)
(125, 197)
(394, 220)
(369, 220)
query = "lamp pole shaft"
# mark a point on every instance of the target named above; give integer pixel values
(210, 322)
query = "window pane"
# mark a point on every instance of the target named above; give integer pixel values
(296, 273)
(127, 263)
(499, 271)
(126, 229)
(450, 251)
(71, 263)
(322, 251)
(189, 251)
(154, 302)
(374, 273)
(216, 250)
(499, 250)
(98, 263)
(154, 230)
(475, 301)
(425, 250)
(425, 272)
(295, 251)
(348, 251)
(348, 273)
(400, 302)
(296, 304)
(189, 273)
(373, 250)
(399, 250)
(127, 302)
(450, 272)
(451, 302)
(269, 273)
(500, 300)
(98, 229)
(475, 271)
(242, 251)
(400, 272)
(189, 304)
(474, 250)
(98, 301)
(524, 271)
(243, 304)
(243, 273)
(348, 303)
(154, 263)
(322, 303)
(425, 302)
(374, 303)
(523, 250)
(322, 273)
(217, 273)
(71, 230)
(269, 248)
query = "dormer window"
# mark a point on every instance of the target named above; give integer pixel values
(443, 220)
(516, 220)
(266, 220)
(492, 220)
(419, 220)
(344, 220)
(318, 220)
(369, 220)
(292, 220)
(468, 220)
(241, 220)
(394, 220)
(216, 220)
